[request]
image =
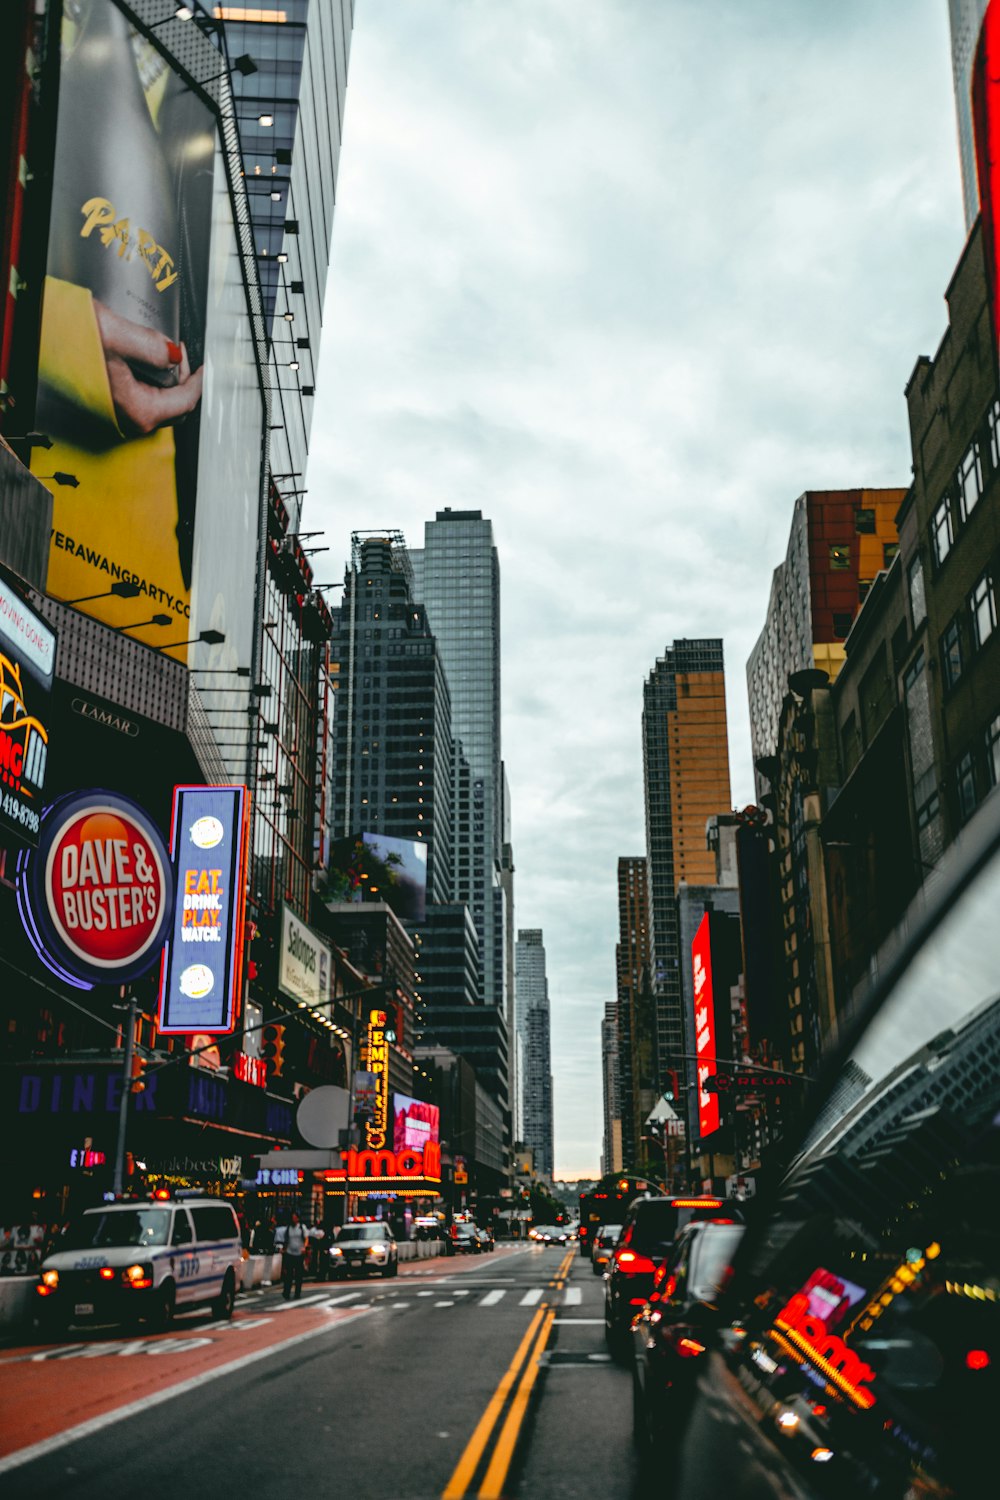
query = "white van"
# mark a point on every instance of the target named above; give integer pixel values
(141, 1259)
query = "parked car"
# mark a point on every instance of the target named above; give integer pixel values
(145, 1260)
(485, 1238)
(670, 1335)
(363, 1248)
(648, 1234)
(858, 1349)
(464, 1239)
(605, 1240)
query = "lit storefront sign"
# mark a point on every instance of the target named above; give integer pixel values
(202, 971)
(387, 1166)
(377, 1062)
(96, 897)
(27, 660)
(250, 1070)
(86, 1158)
(279, 1177)
(836, 1362)
(304, 966)
(704, 1027)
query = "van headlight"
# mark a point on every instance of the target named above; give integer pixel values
(138, 1276)
(50, 1279)
(335, 1250)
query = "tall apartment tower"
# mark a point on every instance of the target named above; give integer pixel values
(966, 21)
(840, 540)
(611, 1157)
(533, 1033)
(457, 578)
(291, 117)
(392, 725)
(635, 1009)
(685, 754)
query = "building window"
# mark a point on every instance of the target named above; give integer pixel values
(993, 751)
(942, 535)
(918, 601)
(890, 551)
(842, 625)
(951, 653)
(970, 480)
(965, 775)
(993, 422)
(928, 811)
(864, 522)
(983, 608)
(840, 556)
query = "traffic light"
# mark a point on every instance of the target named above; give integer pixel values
(139, 1066)
(273, 1050)
(671, 1091)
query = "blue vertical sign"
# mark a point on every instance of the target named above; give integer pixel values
(202, 970)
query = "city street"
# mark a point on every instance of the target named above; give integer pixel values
(484, 1376)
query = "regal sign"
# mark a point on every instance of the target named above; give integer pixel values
(96, 896)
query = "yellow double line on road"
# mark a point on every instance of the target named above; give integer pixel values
(525, 1364)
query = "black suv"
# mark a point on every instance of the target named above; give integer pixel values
(650, 1228)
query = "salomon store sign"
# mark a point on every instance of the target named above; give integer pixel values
(202, 974)
(304, 966)
(96, 896)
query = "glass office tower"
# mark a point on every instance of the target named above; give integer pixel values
(533, 1030)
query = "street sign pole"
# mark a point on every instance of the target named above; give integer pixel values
(119, 1179)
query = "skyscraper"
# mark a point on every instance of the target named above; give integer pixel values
(392, 727)
(611, 1158)
(685, 754)
(457, 578)
(840, 540)
(966, 20)
(635, 1010)
(534, 1035)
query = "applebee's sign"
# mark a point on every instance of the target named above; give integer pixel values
(96, 896)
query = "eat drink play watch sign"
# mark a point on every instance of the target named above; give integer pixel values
(96, 897)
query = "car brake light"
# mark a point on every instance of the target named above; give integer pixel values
(689, 1348)
(106, 1273)
(977, 1359)
(697, 1202)
(632, 1263)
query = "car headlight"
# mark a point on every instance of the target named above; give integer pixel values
(50, 1278)
(336, 1250)
(376, 1250)
(138, 1276)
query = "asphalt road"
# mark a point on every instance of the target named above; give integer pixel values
(485, 1376)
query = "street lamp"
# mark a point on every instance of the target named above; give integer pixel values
(207, 637)
(154, 620)
(62, 478)
(123, 589)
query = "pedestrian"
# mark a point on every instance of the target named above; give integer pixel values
(317, 1251)
(293, 1258)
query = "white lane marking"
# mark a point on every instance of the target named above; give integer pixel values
(425, 1294)
(156, 1398)
(444, 1304)
(300, 1302)
(347, 1297)
(580, 1322)
(530, 1298)
(492, 1298)
(460, 1292)
(572, 1297)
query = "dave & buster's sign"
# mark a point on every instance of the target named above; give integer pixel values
(96, 896)
(202, 968)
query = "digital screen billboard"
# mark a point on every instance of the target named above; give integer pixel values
(378, 867)
(704, 1026)
(414, 1123)
(27, 662)
(145, 351)
(202, 969)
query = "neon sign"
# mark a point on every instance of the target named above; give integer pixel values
(250, 1070)
(840, 1365)
(422, 1162)
(377, 1062)
(704, 1028)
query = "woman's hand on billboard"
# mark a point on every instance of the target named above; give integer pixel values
(143, 408)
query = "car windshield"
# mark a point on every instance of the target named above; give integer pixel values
(362, 1232)
(713, 1255)
(655, 1225)
(116, 1228)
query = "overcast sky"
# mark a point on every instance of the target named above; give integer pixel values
(629, 276)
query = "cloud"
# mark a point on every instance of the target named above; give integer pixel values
(629, 278)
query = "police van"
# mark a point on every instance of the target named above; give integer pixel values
(141, 1259)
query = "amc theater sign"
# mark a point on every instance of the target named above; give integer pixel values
(424, 1162)
(96, 897)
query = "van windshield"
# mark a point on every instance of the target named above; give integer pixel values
(113, 1230)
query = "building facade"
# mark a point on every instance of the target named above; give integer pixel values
(611, 1156)
(686, 780)
(533, 1027)
(635, 1010)
(966, 17)
(840, 540)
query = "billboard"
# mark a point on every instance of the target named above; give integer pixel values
(378, 867)
(27, 662)
(704, 1026)
(415, 1123)
(202, 970)
(304, 966)
(96, 897)
(986, 128)
(145, 343)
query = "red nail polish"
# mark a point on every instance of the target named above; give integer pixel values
(175, 352)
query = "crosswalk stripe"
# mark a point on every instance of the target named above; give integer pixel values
(530, 1298)
(573, 1297)
(492, 1298)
